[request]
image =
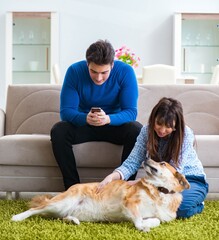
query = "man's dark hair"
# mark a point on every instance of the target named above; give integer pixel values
(100, 53)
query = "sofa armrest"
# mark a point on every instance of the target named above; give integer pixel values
(2, 123)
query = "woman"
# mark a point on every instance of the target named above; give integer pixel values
(167, 138)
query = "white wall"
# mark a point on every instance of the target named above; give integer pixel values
(145, 26)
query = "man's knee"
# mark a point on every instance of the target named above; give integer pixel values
(134, 128)
(59, 129)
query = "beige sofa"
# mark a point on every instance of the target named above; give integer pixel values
(27, 163)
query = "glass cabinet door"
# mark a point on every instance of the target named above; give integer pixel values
(32, 46)
(198, 46)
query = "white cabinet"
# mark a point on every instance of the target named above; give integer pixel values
(32, 47)
(196, 45)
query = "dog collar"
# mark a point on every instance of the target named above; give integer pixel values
(165, 190)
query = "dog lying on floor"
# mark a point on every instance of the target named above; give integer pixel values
(151, 200)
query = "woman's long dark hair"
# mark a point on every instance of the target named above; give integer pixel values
(166, 112)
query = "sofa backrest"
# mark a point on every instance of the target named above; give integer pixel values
(200, 104)
(32, 108)
(35, 108)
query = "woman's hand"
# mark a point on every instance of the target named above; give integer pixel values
(133, 182)
(113, 176)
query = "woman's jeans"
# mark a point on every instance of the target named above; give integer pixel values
(193, 198)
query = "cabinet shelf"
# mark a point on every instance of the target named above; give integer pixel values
(196, 73)
(204, 46)
(196, 45)
(30, 44)
(32, 47)
(28, 71)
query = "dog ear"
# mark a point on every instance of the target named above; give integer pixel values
(182, 180)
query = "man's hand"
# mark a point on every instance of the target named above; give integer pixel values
(98, 118)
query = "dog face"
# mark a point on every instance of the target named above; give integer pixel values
(162, 174)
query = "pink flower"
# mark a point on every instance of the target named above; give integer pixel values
(124, 54)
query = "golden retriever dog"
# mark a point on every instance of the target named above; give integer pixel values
(153, 199)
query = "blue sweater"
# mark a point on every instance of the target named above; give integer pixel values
(117, 96)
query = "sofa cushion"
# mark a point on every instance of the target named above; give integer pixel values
(26, 149)
(98, 154)
(36, 150)
(207, 149)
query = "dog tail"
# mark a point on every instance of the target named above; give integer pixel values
(39, 200)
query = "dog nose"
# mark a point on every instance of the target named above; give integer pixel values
(144, 163)
(145, 160)
(147, 156)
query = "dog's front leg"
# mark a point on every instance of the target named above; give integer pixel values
(151, 222)
(138, 222)
(132, 212)
(145, 224)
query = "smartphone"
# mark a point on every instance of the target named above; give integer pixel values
(95, 109)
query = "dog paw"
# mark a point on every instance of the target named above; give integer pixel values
(141, 227)
(16, 218)
(151, 222)
(145, 229)
(146, 224)
(72, 219)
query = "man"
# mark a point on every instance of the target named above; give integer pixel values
(97, 82)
